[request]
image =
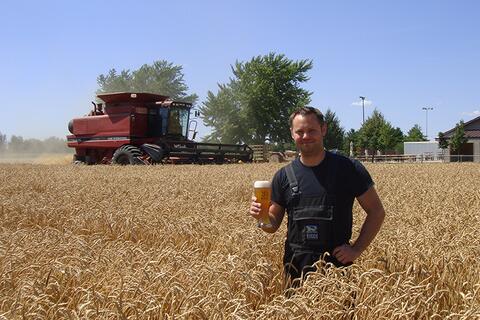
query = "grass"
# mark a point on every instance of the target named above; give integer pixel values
(166, 242)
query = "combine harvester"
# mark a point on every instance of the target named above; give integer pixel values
(144, 128)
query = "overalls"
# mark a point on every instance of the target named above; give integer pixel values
(311, 226)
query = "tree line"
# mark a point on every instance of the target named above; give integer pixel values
(253, 107)
(19, 145)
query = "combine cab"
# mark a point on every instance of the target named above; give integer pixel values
(144, 128)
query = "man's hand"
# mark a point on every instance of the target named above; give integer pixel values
(346, 253)
(255, 208)
(275, 212)
(370, 202)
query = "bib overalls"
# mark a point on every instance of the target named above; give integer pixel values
(313, 227)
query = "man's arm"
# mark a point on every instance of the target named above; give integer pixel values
(370, 202)
(275, 213)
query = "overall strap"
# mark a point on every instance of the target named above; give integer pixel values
(332, 174)
(292, 180)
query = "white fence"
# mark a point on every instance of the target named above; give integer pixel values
(437, 157)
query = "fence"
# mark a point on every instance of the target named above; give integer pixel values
(261, 152)
(427, 157)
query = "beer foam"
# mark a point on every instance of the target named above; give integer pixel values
(262, 184)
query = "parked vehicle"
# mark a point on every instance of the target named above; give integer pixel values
(144, 128)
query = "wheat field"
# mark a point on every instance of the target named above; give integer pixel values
(176, 242)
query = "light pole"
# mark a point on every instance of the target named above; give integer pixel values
(363, 109)
(426, 120)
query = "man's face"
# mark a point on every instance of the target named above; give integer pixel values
(308, 134)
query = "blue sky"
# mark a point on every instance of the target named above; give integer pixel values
(401, 55)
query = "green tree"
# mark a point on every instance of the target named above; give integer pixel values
(225, 114)
(415, 134)
(162, 77)
(377, 134)
(262, 94)
(458, 138)
(373, 135)
(442, 141)
(114, 82)
(335, 133)
(399, 138)
(391, 139)
(350, 136)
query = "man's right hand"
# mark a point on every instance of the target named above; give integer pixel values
(255, 208)
(276, 214)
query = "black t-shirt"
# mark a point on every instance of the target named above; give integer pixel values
(350, 179)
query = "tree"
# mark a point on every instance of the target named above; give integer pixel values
(442, 141)
(19, 145)
(458, 138)
(350, 137)
(373, 135)
(399, 137)
(415, 134)
(335, 133)
(161, 77)
(3, 142)
(54, 145)
(16, 144)
(113, 82)
(261, 96)
(391, 138)
(377, 134)
(225, 114)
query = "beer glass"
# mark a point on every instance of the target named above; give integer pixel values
(263, 191)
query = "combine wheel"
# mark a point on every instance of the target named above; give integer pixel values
(276, 157)
(127, 154)
(248, 158)
(78, 159)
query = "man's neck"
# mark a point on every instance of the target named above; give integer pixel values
(312, 160)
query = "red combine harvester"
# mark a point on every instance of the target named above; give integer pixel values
(144, 128)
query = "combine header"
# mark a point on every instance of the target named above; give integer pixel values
(144, 128)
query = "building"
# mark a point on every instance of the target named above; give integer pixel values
(470, 151)
(423, 149)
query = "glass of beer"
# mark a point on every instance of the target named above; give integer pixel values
(263, 191)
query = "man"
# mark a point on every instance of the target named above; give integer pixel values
(318, 190)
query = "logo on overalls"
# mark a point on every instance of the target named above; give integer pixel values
(311, 232)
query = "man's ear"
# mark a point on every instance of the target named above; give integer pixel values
(324, 129)
(291, 133)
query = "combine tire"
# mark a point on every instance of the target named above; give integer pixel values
(276, 157)
(78, 159)
(127, 155)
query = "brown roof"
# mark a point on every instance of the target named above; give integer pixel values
(474, 133)
(471, 134)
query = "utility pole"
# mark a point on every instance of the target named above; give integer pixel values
(426, 120)
(363, 109)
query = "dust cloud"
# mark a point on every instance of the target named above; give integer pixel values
(35, 158)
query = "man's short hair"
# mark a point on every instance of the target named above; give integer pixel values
(304, 111)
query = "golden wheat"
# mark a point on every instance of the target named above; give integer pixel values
(165, 242)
